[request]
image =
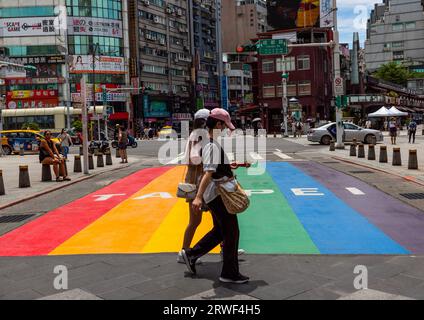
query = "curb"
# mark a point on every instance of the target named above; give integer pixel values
(33, 196)
(407, 178)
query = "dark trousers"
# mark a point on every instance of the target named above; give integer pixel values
(225, 230)
(412, 135)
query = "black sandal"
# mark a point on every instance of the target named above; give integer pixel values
(58, 179)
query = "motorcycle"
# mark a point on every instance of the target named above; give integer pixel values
(101, 146)
(131, 143)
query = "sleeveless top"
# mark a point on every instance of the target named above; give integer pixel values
(44, 153)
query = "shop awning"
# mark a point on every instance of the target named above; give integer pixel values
(119, 116)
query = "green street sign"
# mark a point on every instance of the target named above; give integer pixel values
(272, 46)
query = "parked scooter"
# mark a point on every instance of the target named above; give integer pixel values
(131, 143)
(101, 146)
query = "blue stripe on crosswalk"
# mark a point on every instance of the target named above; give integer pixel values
(333, 226)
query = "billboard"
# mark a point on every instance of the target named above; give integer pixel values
(291, 14)
(34, 26)
(94, 26)
(24, 99)
(102, 65)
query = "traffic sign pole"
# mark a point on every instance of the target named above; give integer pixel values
(336, 54)
(284, 96)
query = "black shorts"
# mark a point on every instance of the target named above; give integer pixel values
(122, 146)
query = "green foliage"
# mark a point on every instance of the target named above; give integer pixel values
(395, 73)
(30, 126)
(77, 124)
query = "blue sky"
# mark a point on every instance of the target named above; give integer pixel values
(352, 17)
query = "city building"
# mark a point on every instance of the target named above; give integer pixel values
(66, 40)
(395, 33)
(242, 20)
(310, 79)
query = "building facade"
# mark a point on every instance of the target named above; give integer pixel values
(242, 20)
(310, 79)
(395, 33)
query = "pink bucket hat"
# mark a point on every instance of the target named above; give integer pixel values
(223, 115)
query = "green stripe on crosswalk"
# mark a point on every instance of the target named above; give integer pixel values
(270, 226)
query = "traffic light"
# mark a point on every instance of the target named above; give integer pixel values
(247, 48)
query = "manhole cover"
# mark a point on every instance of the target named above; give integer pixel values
(17, 218)
(360, 171)
(413, 196)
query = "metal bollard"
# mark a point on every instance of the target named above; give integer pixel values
(371, 152)
(108, 158)
(413, 160)
(100, 162)
(2, 191)
(332, 146)
(397, 161)
(77, 164)
(90, 162)
(46, 173)
(383, 154)
(24, 181)
(352, 150)
(361, 151)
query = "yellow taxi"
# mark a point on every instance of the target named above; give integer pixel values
(165, 132)
(30, 139)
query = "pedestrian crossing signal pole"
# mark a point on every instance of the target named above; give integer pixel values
(336, 58)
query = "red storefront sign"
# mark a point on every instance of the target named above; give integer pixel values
(24, 99)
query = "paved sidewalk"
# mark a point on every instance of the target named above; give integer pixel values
(10, 166)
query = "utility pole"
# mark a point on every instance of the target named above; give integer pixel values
(336, 58)
(284, 95)
(84, 112)
(95, 47)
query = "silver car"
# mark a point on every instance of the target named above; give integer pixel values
(326, 133)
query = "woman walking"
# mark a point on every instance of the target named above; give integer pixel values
(194, 175)
(65, 143)
(393, 130)
(216, 167)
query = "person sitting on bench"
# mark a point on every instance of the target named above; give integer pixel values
(49, 155)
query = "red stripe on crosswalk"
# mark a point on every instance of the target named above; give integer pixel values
(43, 235)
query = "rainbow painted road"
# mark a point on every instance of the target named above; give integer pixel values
(296, 208)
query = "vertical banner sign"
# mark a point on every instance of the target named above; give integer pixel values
(326, 14)
(224, 92)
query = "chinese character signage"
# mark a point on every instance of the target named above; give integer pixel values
(102, 65)
(24, 99)
(94, 26)
(327, 14)
(291, 14)
(20, 27)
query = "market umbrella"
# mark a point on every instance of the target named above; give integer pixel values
(397, 113)
(382, 112)
(256, 120)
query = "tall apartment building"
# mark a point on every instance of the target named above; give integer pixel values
(242, 20)
(395, 33)
(63, 40)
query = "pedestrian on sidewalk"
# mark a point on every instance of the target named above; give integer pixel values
(193, 157)
(217, 168)
(393, 130)
(65, 143)
(49, 155)
(299, 128)
(282, 129)
(412, 130)
(122, 144)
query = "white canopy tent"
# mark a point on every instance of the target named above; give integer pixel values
(381, 113)
(397, 113)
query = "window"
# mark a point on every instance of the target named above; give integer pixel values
(268, 91)
(303, 63)
(398, 55)
(290, 64)
(349, 126)
(41, 11)
(397, 27)
(291, 90)
(267, 66)
(410, 25)
(154, 69)
(305, 88)
(397, 44)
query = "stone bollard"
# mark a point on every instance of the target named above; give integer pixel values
(383, 154)
(77, 164)
(422, 132)
(81, 151)
(24, 181)
(371, 152)
(2, 191)
(397, 161)
(413, 160)
(332, 146)
(352, 150)
(46, 173)
(361, 151)
(117, 153)
(100, 162)
(354, 142)
(108, 158)
(374, 140)
(90, 162)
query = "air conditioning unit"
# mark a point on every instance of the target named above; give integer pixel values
(169, 10)
(146, 2)
(183, 89)
(156, 19)
(179, 12)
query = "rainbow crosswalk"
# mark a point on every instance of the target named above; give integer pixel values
(290, 213)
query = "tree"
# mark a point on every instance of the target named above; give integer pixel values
(77, 125)
(31, 126)
(395, 73)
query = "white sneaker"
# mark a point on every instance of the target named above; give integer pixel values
(180, 259)
(239, 252)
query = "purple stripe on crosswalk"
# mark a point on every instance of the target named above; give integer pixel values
(400, 221)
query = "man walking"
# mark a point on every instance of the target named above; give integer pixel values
(65, 143)
(412, 130)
